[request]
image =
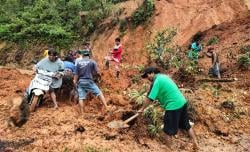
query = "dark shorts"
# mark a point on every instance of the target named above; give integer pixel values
(175, 119)
(55, 90)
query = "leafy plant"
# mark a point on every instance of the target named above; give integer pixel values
(136, 78)
(191, 66)
(143, 13)
(94, 149)
(213, 40)
(154, 116)
(140, 68)
(138, 96)
(117, 1)
(216, 90)
(154, 130)
(161, 50)
(244, 60)
(245, 49)
(123, 25)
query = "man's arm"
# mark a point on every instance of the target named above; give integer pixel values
(76, 76)
(146, 103)
(75, 79)
(214, 58)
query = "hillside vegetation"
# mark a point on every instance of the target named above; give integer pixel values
(58, 22)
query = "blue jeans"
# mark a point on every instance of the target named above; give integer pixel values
(87, 85)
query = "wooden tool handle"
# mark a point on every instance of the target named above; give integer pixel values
(131, 118)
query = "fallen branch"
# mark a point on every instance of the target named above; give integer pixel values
(218, 80)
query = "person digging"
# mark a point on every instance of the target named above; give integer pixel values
(164, 90)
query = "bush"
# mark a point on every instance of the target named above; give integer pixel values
(138, 96)
(244, 61)
(118, 1)
(123, 25)
(213, 40)
(154, 117)
(161, 50)
(245, 49)
(143, 13)
(54, 22)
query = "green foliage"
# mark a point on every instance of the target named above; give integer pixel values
(143, 13)
(140, 68)
(191, 67)
(213, 40)
(138, 96)
(154, 130)
(216, 90)
(245, 49)
(56, 22)
(94, 149)
(244, 60)
(118, 1)
(161, 50)
(123, 25)
(154, 117)
(136, 78)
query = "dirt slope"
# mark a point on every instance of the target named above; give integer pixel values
(189, 16)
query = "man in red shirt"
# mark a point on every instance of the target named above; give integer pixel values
(115, 55)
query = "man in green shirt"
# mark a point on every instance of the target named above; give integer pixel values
(164, 90)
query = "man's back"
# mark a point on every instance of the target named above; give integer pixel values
(166, 91)
(69, 65)
(86, 68)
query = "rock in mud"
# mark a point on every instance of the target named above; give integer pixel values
(119, 100)
(80, 129)
(19, 112)
(228, 105)
(110, 136)
(221, 129)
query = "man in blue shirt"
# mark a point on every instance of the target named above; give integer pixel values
(85, 70)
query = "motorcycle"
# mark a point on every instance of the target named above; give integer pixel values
(39, 85)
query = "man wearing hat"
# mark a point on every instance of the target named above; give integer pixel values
(86, 68)
(165, 91)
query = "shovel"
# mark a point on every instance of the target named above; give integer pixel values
(116, 124)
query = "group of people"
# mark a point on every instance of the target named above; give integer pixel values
(163, 89)
(79, 65)
(194, 54)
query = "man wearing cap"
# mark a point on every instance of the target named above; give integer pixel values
(165, 91)
(85, 70)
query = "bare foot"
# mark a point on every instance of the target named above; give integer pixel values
(56, 107)
(195, 146)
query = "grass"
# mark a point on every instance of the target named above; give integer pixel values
(95, 149)
(213, 40)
